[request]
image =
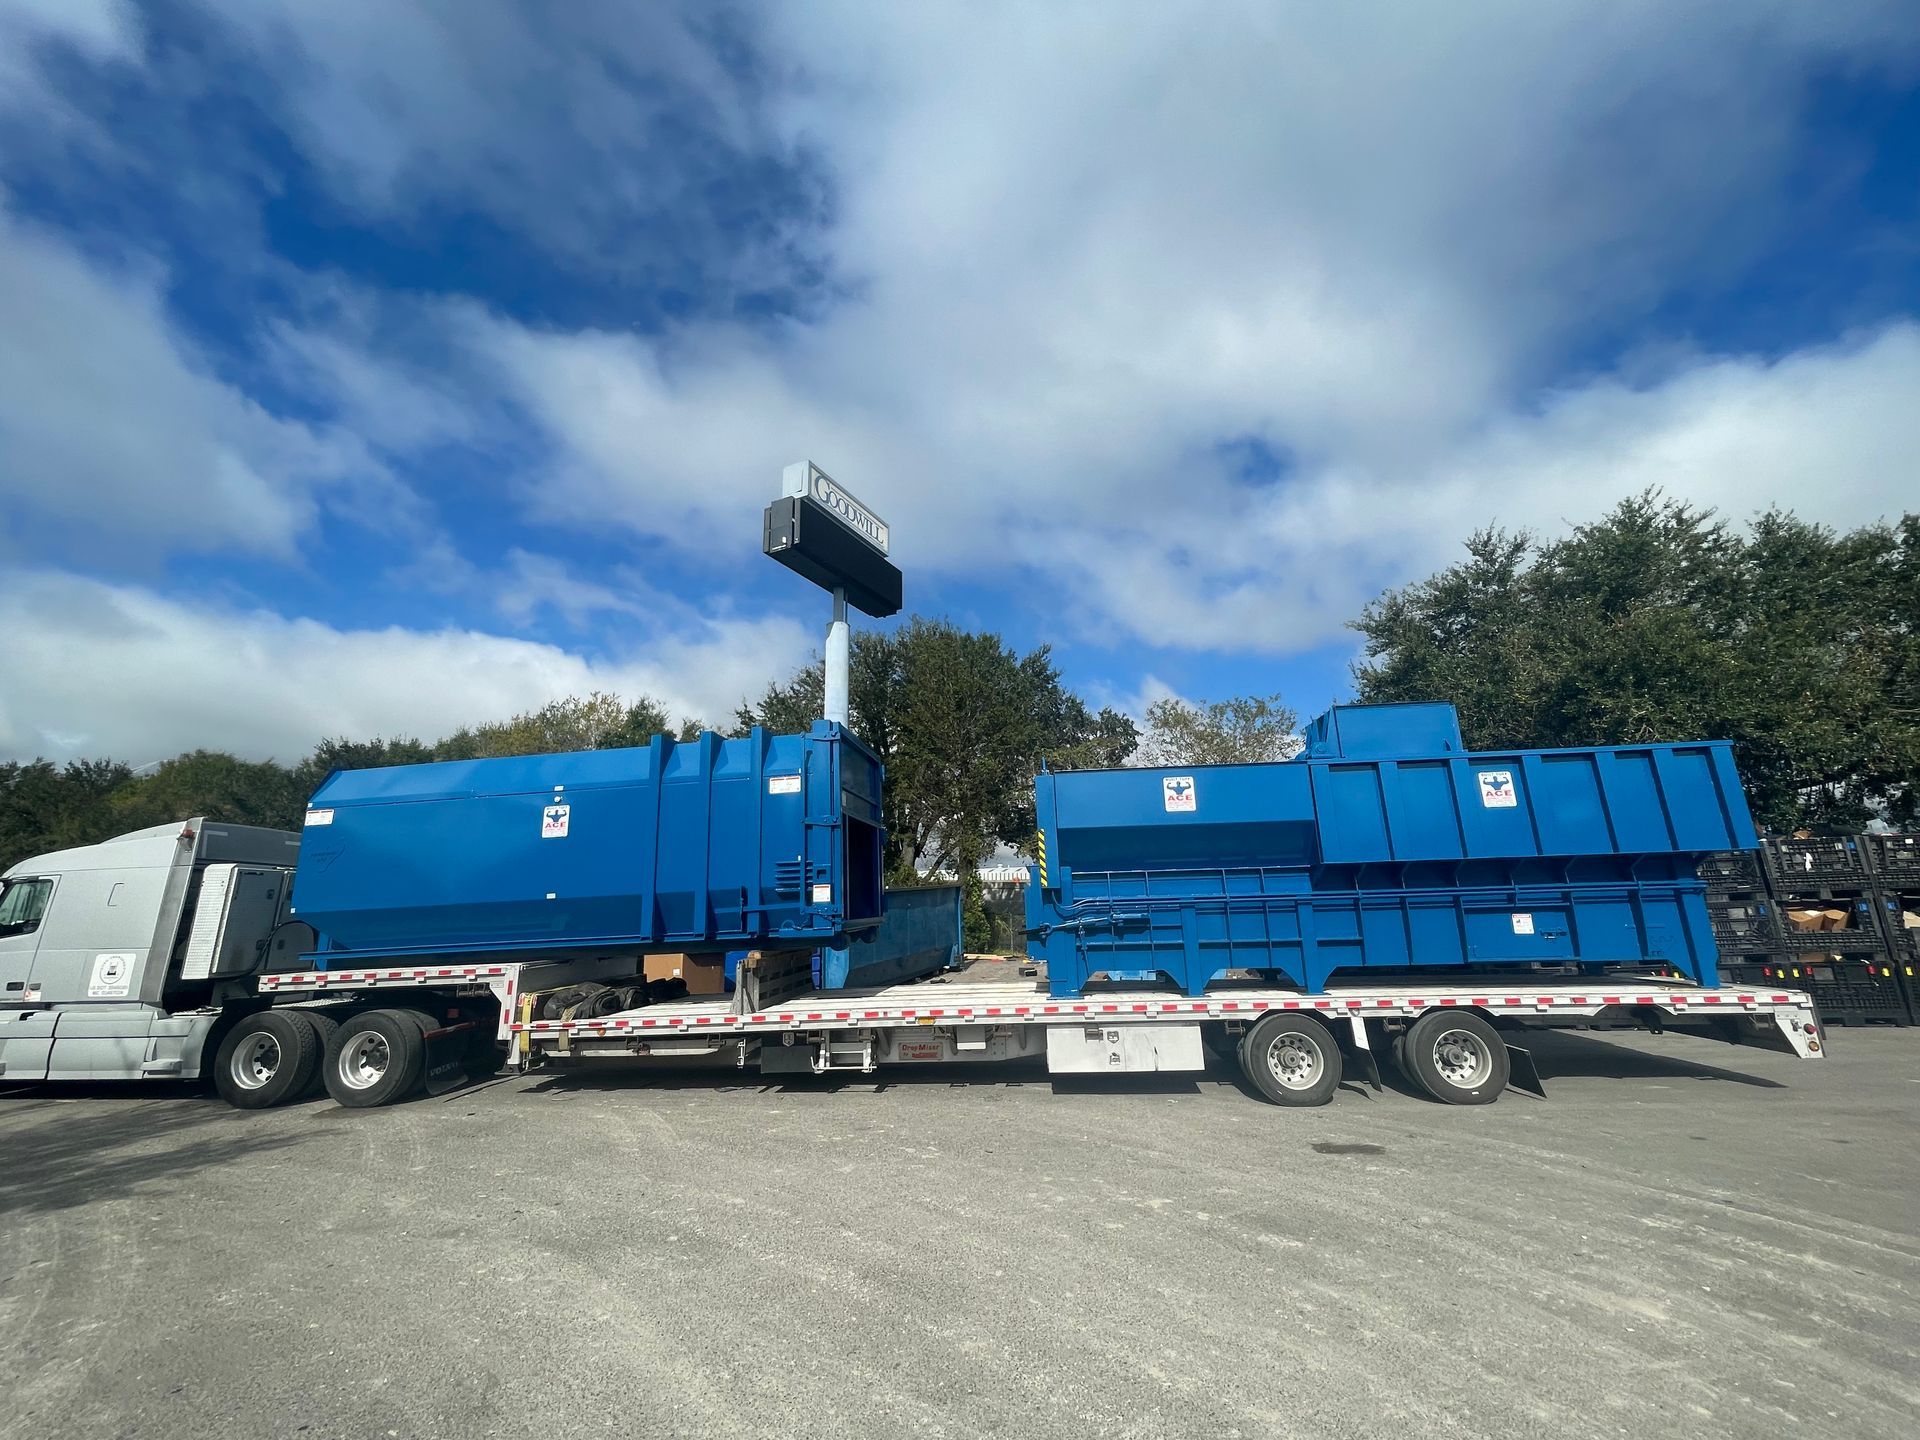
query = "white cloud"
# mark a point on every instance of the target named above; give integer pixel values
(568, 124)
(99, 669)
(114, 428)
(1828, 431)
(1831, 430)
(101, 29)
(1090, 251)
(1075, 252)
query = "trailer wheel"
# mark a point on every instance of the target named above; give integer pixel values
(376, 1058)
(1292, 1060)
(323, 1027)
(1457, 1057)
(265, 1060)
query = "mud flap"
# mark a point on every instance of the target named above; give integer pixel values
(1525, 1075)
(1362, 1063)
(446, 1058)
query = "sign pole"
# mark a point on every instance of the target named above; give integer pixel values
(836, 679)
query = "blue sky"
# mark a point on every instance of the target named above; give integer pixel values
(372, 368)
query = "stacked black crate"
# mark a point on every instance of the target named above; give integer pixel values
(1745, 928)
(1835, 942)
(1893, 861)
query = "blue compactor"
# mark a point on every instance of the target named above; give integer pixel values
(707, 844)
(1385, 845)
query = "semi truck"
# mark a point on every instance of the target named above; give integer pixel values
(433, 923)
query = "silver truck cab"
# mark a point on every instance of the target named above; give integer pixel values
(117, 959)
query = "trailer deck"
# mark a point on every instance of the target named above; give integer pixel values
(990, 1012)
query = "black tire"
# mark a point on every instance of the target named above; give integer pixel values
(570, 1002)
(266, 1059)
(1397, 1052)
(627, 997)
(1291, 1059)
(1457, 1057)
(323, 1027)
(376, 1058)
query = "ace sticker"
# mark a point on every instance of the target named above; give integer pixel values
(1178, 792)
(112, 977)
(553, 822)
(1496, 790)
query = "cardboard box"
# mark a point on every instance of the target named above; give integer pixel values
(705, 974)
(1807, 919)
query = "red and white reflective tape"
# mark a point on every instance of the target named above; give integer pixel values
(415, 975)
(778, 1019)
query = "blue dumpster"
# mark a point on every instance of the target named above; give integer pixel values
(921, 934)
(764, 840)
(1384, 845)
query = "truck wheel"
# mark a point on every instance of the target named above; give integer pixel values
(1291, 1060)
(376, 1057)
(1457, 1057)
(323, 1027)
(266, 1059)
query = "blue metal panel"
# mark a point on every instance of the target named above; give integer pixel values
(1380, 732)
(921, 935)
(1437, 857)
(760, 840)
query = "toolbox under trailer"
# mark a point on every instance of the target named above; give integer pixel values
(1462, 1042)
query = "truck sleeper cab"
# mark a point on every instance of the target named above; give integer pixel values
(112, 955)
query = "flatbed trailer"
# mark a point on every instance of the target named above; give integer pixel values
(174, 953)
(1457, 1039)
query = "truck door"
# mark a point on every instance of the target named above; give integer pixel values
(26, 1027)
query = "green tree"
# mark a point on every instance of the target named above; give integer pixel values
(213, 784)
(962, 723)
(1662, 622)
(578, 722)
(1240, 731)
(47, 807)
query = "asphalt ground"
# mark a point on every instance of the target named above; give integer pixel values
(1685, 1240)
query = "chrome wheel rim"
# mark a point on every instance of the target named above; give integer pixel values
(365, 1060)
(1295, 1062)
(255, 1062)
(1462, 1058)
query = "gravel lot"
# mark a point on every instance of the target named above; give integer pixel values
(1685, 1240)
